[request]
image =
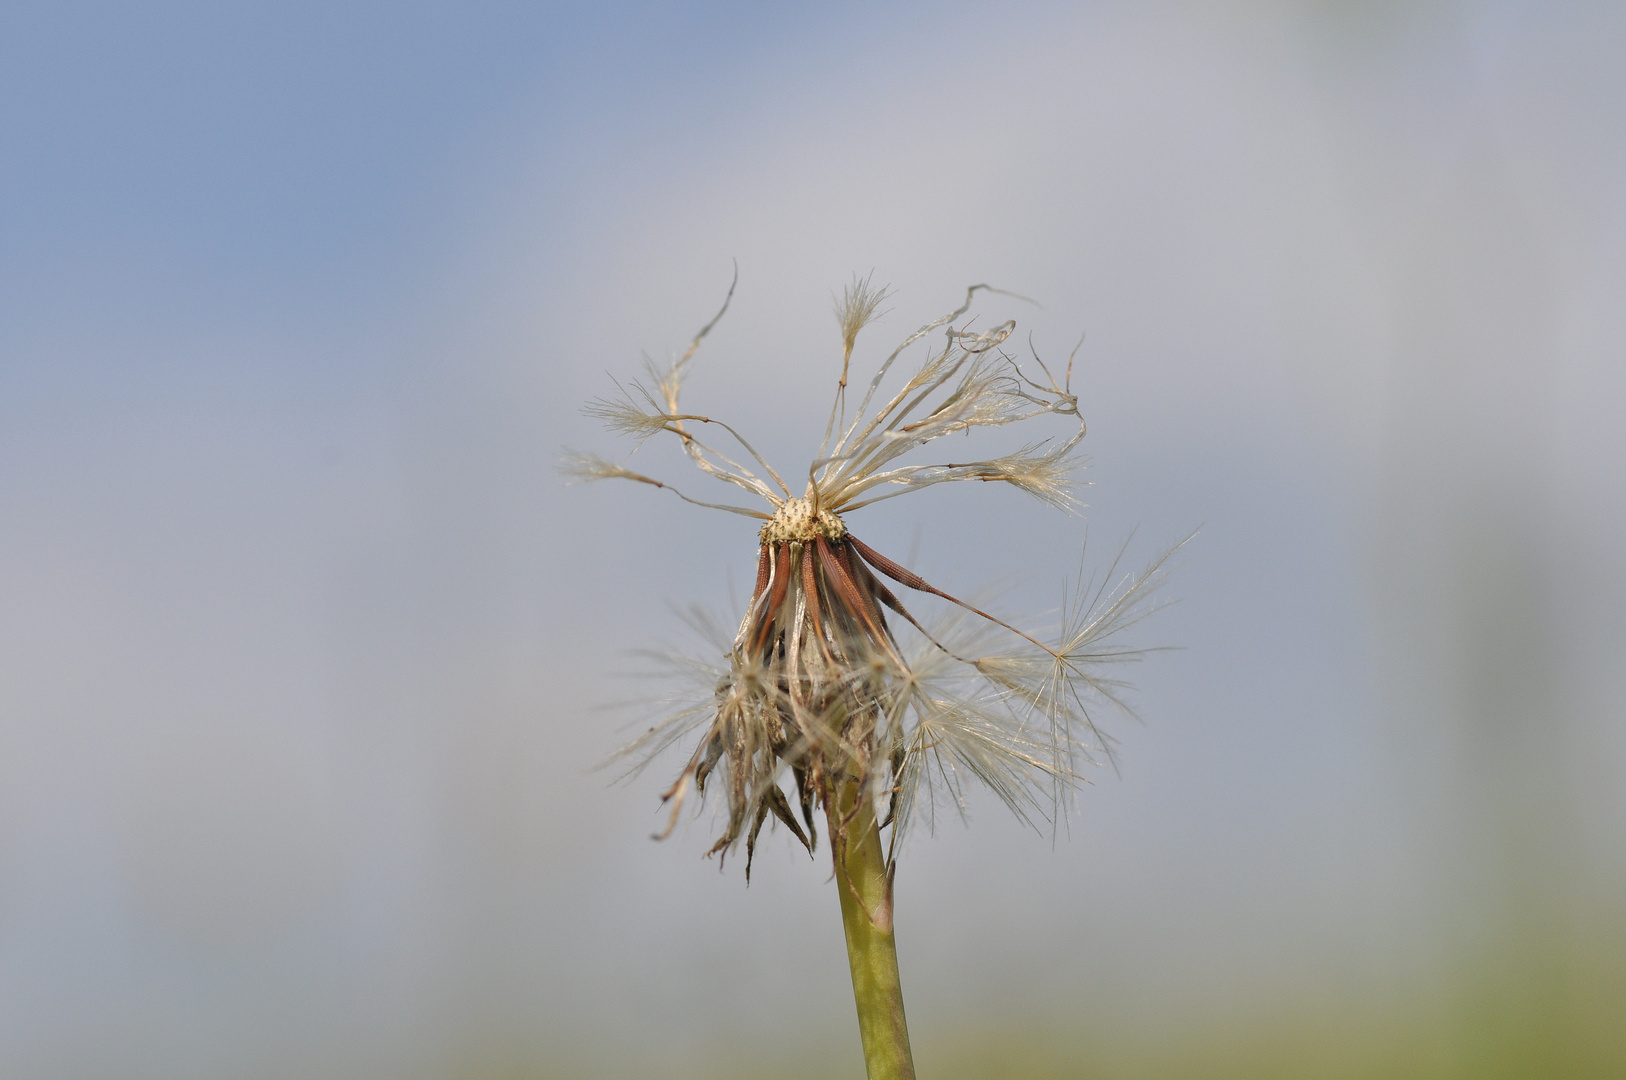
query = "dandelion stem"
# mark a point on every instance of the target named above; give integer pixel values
(865, 886)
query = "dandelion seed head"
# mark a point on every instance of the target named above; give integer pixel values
(797, 520)
(817, 690)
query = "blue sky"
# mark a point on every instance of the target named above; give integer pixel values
(303, 637)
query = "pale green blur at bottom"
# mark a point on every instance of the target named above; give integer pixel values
(1549, 1003)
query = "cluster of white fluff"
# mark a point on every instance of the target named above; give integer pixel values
(815, 687)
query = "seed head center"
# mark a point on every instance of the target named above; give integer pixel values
(796, 521)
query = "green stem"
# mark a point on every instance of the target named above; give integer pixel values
(866, 913)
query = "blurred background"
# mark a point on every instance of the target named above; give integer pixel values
(303, 641)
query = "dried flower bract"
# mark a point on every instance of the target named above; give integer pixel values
(817, 702)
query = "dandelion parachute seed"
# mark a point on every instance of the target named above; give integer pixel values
(818, 690)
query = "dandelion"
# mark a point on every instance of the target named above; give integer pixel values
(818, 706)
